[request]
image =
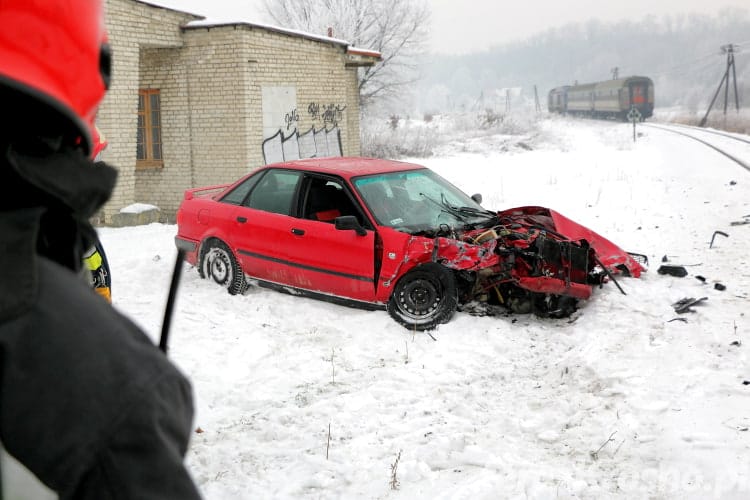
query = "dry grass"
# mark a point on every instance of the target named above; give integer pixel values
(733, 121)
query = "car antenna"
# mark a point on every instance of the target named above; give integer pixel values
(170, 300)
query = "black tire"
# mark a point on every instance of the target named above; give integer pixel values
(218, 264)
(424, 297)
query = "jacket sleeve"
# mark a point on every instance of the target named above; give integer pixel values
(143, 458)
(87, 402)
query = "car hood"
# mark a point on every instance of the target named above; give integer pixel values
(610, 256)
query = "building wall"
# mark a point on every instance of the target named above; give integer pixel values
(166, 70)
(133, 28)
(218, 105)
(326, 91)
(212, 81)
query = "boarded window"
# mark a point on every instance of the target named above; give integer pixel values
(149, 145)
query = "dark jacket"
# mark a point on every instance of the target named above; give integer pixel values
(87, 402)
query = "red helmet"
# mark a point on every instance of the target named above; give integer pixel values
(56, 52)
(99, 141)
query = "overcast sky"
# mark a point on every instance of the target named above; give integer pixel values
(470, 26)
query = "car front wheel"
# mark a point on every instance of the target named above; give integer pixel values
(218, 264)
(424, 297)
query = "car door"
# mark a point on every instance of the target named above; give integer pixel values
(322, 258)
(261, 223)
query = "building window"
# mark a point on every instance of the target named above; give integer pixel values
(149, 154)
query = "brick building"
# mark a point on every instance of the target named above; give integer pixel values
(195, 103)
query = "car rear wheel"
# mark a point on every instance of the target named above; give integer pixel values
(424, 297)
(218, 264)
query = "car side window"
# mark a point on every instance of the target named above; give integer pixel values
(238, 194)
(274, 192)
(327, 199)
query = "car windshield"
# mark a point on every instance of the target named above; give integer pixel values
(418, 201)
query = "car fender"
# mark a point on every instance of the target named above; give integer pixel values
(451, 253)
(201, 231)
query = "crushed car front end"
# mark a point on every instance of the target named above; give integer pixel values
(526, 259)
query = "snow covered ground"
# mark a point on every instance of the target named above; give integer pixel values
(617, 401)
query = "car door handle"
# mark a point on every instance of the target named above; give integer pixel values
(298, 232)
(242, 220)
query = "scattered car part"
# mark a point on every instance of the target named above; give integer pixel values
(722, 233)
(677, 271)
(684, 305)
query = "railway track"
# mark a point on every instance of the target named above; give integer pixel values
(697, 131)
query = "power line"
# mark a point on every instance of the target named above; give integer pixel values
(729, 50)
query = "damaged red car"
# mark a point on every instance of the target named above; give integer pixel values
(387, 234)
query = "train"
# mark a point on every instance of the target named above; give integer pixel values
(612, 99)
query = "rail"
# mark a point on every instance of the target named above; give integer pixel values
(740, 162)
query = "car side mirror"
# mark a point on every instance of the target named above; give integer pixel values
(477, 197)
(349, 222)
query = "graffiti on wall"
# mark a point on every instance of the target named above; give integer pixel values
(282, 116)
(295, 146)
(329, 114)
(291, 119)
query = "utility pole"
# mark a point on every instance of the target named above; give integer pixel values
(729, 50)
(536, 100)
(615, 73)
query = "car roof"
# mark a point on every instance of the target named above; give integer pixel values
(347, 167)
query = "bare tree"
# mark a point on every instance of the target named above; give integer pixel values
(398, 29)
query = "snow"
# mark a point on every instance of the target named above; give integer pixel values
(137, 208)
(617, 401)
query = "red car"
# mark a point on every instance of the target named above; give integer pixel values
(387, 234)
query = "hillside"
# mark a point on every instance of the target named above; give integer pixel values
(680, 53)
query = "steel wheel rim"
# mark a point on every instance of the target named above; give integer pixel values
(218, 266)
(420, 298)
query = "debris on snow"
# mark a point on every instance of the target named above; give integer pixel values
(722, 233)
(684, 305)
(678, 271)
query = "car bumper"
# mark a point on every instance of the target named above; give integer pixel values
(190, 248)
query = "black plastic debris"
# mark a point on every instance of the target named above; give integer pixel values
(720, 287)
(746, 382)
(684, 320)
(736, 343)
(722, 233)
(700, 278)
(677, 271)
(685, 305)
(664, 259)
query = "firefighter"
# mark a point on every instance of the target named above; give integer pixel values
(88, 404)
(95, 260)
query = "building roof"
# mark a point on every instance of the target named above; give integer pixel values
(169, 5)
(202, 21)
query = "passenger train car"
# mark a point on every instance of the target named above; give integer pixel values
(607, 99)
